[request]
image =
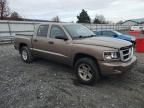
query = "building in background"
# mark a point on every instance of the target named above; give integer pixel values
(134, 22)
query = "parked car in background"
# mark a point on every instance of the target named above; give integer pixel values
(115, 34)
(137, 28)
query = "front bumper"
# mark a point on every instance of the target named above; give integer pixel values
(110, 68)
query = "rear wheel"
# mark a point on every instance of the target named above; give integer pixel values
(26, 55)
(86, 70)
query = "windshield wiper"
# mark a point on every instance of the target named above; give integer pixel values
(80, 37)
(91, 36)
(87, 36)
(77, 37)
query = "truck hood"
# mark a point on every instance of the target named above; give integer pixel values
(103, 41)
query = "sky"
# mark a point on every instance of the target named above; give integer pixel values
(67, 10)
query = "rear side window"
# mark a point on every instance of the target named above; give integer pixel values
(43, 31)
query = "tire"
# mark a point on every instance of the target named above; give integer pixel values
(86, 71)
(26, 55)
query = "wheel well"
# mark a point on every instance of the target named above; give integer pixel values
(21, 45)
(81, 55)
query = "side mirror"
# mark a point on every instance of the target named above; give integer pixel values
(61, 37)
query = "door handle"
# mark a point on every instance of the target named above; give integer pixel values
(35, 40)
(51, 42)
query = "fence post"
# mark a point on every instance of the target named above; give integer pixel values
(9, 30)
(90, 26)
(96, 27)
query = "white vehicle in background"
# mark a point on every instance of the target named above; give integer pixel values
(137, 28)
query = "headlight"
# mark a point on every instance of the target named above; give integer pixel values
(110, 55)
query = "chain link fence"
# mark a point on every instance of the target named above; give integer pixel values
(97, 27)
(8, 29)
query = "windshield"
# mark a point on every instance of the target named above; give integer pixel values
(117, 32)
(78, 31)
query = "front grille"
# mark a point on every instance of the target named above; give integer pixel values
(126, 53)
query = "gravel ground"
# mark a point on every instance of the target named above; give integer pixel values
(45, 84)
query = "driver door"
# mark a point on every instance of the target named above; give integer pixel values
(59, 45)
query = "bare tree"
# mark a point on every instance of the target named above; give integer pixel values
(4, 9)
(99, 19)
(15, 16)
(56, 19)
(119, 22)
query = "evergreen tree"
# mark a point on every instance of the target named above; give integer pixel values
(83, 17)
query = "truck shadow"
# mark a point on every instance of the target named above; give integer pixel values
(62, 69)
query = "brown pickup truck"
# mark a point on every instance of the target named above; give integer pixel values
(75, 45)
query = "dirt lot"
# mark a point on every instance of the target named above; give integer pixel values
(45, 84)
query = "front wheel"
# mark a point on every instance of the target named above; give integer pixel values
(87, 70)
(26, 54)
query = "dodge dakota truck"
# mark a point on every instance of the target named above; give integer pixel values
(77, 46)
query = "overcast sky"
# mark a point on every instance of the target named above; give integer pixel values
(67, 10)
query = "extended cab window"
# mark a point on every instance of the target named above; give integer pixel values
(56, 31)
(43, 31)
